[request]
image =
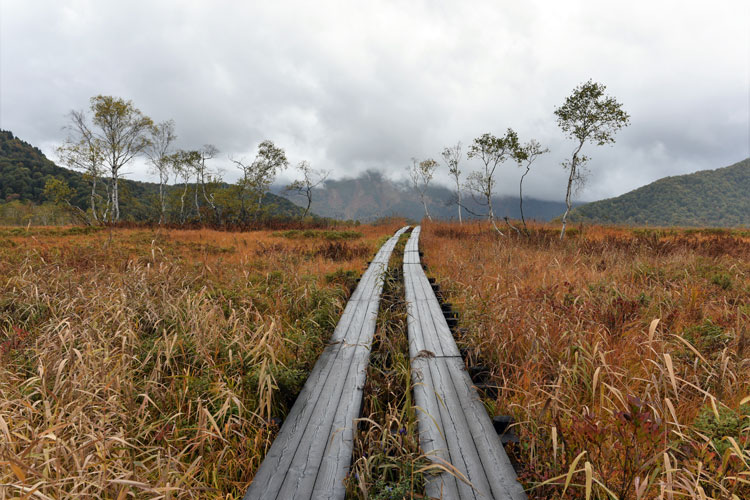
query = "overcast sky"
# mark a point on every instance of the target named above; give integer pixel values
(354, 85)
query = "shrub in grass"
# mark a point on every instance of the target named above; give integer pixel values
(707, 338)
(729, 423)
(722, 280)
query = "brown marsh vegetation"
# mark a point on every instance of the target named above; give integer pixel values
(624, 355)
(142, 364)
(159, 364)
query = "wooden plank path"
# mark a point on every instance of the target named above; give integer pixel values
(312, 453)
(453, 424)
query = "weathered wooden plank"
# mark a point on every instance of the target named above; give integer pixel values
(329, 483)
(431, 436)
(411, 257)
(311, 455)
(453, 424)
(500, 474)
(424, 313)
(463, 455)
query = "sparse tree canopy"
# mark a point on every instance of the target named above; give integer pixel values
(182, 164)
(258, 176)
(491, 152)
(58, 192)
(311, 179)
(452, 159)
(269, 161)
(121, 135)
(526, 155)
(157, 151)
(118, 132)
(421, 173)
(587, 115)
(204, 174)
(24, 172)
(81, 151)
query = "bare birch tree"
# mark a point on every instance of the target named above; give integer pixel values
(421, 174)
(491, 151)
(526, 155)
(81, 152)
(587, 115)
(452, 158)
(311, 179)
(158, 153)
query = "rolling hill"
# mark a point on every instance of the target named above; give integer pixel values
(718, 197)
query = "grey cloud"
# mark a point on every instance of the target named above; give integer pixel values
(354, 86)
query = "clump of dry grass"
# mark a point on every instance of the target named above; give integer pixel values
(609, 401)
(154, 365)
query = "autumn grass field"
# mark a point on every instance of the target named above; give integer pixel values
(143, 364)
(138, 363)
(601, 392)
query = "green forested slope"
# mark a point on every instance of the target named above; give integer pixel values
(24, 170)
(718, 197)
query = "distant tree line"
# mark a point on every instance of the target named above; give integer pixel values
(586, 116)
(104, 139)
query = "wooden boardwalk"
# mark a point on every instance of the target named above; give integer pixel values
(454, 427)
(312, 453)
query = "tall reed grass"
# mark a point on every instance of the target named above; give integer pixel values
(142, 364)
(623, 355)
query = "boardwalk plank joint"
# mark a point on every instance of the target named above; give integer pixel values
(454, 427)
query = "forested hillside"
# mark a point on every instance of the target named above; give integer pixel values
(25, 170)
(718, 197)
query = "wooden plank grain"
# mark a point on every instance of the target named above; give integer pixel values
(503, 482)
(464, 455)
(311, 455)
(454, 427)
(432, 436)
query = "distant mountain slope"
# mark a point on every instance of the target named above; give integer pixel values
(718, 197)
(372, 195)
(24, 170)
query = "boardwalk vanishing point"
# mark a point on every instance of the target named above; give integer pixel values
(312, 453)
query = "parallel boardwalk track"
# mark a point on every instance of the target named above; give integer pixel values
(312, 453)
(454, 428)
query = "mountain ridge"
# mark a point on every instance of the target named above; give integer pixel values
(715, 197)
(372, 195)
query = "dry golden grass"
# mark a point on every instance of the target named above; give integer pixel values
(142, 364)
(609, 401)
(137, 364)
